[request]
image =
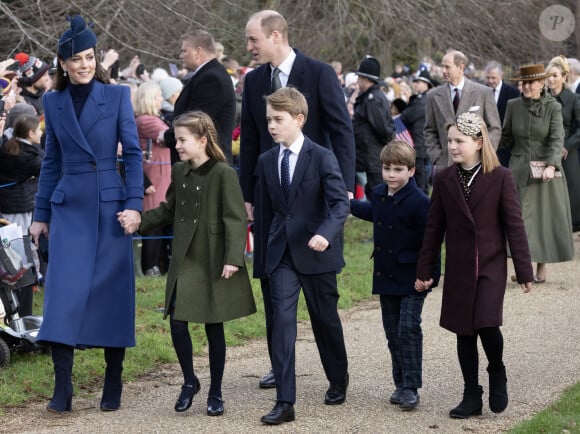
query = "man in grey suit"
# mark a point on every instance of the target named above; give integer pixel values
(457, 95)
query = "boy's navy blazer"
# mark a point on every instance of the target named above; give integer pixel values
(317, 204)
(399, 223)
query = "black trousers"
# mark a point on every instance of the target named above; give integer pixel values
(321, 294)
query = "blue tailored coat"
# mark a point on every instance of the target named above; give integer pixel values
(317, 204)
(90, 285)
(398, 225)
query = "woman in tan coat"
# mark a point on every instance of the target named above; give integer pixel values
(207, 280)
(533, 126)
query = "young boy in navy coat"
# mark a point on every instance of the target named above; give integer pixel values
(398, 210)
(304, 205)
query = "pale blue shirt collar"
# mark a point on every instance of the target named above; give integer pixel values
(286, 67)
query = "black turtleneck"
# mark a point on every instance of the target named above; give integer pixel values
(79, 94)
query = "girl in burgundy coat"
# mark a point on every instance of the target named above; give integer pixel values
(475, 207)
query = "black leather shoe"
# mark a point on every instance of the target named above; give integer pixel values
(336, 393)
(268, 381)
(396, 396)
(215, 406)
(185, 399)
(282, 412)
(409, 400)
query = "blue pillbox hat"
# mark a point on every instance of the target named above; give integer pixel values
(78, 38)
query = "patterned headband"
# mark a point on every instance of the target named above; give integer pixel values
(469, 123)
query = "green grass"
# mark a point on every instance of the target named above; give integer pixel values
(561, 417)
(29, 376)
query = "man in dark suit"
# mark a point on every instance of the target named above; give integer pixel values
(457, 95)
(414, 119)
(502, 92)
(304, 205)
(209, 89)
(328, 123)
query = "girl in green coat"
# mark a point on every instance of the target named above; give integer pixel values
(207, 280)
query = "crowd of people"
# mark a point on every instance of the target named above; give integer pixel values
(92, 153)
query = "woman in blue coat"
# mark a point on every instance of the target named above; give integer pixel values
(90, 288)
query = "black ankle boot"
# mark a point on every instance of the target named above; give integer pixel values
(62, 359)
(498, 396)
(470, 405)
(113, 385)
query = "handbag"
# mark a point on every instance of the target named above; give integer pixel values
(537, 169)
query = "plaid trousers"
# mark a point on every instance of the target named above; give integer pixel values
(402, 324)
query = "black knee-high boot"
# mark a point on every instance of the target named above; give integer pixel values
(62, 359)
(113, 385)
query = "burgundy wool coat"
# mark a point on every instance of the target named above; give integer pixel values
(475, 234)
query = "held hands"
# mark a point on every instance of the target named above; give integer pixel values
(130, 220)
(423, 285)
(318, 243)
(229, 271)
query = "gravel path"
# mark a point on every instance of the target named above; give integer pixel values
(542, 354)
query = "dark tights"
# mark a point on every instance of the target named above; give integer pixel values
(492, 343)
(217, 353)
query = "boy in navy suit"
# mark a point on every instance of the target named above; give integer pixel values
(304, 207)
(398, 210)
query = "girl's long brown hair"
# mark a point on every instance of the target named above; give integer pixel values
(201, 125)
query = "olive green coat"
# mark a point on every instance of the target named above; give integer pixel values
(536, 131)
(570, 102)
(206, 208)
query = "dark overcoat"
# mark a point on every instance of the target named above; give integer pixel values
(398, 228)
(210, 90)
(475, 235)
(328, 124)
(90, 283)
(206, 208)
(571, 117)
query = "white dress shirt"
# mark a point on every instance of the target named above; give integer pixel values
(285, 68)
(293, 158)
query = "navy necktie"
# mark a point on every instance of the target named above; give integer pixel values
(456, 100)
(285, 173)
(276, 83)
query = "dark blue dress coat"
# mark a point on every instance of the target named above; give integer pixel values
(90, 286)
(328, 124)
(398, 228)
